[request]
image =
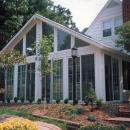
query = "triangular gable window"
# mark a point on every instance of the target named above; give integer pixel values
(112, 4)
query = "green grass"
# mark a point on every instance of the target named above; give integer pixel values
(27, 115)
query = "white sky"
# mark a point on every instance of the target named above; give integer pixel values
(83, 11)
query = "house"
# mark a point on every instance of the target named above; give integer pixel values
(98, 61)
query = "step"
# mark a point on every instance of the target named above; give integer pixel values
(119, 119)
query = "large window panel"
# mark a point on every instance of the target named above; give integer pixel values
(64, 40)
(71, 78)
(21, 81)
(58, 79)
(31, 42)
(30, 81)
(88, 73)
(10, 82)
(19, 46)
(126, 75)
(80, 43)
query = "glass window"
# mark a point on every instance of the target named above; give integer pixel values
(48, 30)
(126, 75)
(112, 78)
(80, 43)
(10, 82)
(30, 82)
(77, 78)
(88, 72)
(31, 42)
(19, 46)
(58, 80)
(107, 31)
(64, 40)
(21, 81)
(118, 22)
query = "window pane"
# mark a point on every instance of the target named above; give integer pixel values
(31, 42)
(30, 81)
(77, 78)
(88, 73)
(19, 47)
(107, 29)
(80, 43)
(10, 82)
(118, 22)
(58, 80)
(64, 40)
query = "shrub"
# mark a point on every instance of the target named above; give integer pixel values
(75, 102)
(100, 126)
(39, 101)
(99, 103)
(20, 124)
(15, 99)
(8, 100)
(30, 100)
(86, 100)
(22, 99)
(66, 101)
(58, 101)
(92, 118)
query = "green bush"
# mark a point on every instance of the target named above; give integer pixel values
(86, 100)
(39, 101)
(66, 101)
(58, 101)
(92, 118)
(8, 100)
(22, 99)
(100, 126)
(15, 99)
(75, 101)
(99, 103)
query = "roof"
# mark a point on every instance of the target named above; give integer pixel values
(61, 27)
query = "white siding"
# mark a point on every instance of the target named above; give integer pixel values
(95, 29)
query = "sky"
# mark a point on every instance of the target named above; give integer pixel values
(83, 11)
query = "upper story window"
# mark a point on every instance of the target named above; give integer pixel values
(80, 43)
(19, 46)
(107, 31)
(31, 42)
(118, 22)
(64, 40)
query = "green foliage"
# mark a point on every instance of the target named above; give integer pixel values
(39, 101)
(86, 100)
(57, 101)
(15, 99)
(99, 102)
(15, 13)
(92, 118)
(75, 101)
(8, 99)
(123, 33)
(100, 126)
(73, 111)
(66, 100)
(22, 99)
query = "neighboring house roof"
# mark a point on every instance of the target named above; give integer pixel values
(81, 36)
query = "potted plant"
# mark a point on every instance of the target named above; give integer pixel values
(8, 100)
(15, 99)
(39, 101)
(66, 100)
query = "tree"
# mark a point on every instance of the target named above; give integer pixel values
(123, 33)
(15, 13)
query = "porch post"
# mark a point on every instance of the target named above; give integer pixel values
(38, 78)
(100, 75)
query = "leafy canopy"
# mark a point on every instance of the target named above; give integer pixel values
(123, 33)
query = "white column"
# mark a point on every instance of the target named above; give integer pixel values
(65, 77)
(72, 41)
(24, 45)
(55, 40)
(15, 80)
(38, 79)
(100, 75)
(120, 79)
